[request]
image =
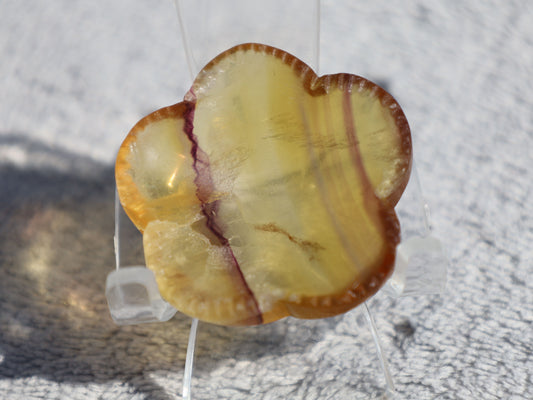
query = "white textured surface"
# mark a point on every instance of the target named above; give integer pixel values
(75, 76)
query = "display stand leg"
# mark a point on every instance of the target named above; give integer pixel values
(189, 361)
(384, 364)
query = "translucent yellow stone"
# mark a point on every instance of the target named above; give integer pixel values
(268, 191)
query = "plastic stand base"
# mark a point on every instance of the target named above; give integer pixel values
(133, 297)
(420, 268)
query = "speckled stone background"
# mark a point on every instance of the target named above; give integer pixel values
(75, 76)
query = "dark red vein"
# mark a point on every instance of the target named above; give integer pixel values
(205, 187)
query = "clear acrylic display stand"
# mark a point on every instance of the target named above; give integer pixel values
(132, 293)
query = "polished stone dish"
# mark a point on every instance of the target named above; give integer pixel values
(269, 191)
